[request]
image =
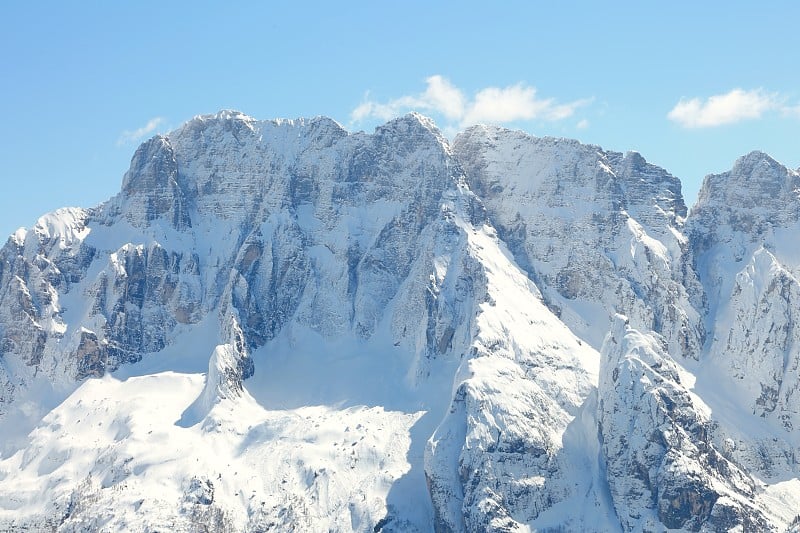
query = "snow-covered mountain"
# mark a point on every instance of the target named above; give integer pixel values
(283, 326)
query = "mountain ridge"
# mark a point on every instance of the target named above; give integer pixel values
(460, 297)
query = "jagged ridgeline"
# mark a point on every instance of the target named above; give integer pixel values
(284, 326)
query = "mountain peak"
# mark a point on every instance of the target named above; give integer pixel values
(410, 122)
(411, 128)
(226, 114)
(751, 162)
(755, 181)
(634, 158)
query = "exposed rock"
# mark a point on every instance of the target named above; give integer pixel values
(663, 467)
(597, 231)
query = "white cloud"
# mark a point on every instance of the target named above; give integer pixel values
(582, 124)
(443, 96)
(129, 137)
(720, 109)
(492, 105)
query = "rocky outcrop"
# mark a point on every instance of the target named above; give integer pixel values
(152, 189)
(37, 268)
(664, 467)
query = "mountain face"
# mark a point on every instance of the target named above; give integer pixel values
(283, 326)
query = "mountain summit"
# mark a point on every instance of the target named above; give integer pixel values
(284, 326)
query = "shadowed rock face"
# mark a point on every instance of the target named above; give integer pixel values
(600, 347)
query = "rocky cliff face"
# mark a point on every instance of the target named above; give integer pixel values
(744, 234)
(283, 325)
(599, 232)
(663, 464)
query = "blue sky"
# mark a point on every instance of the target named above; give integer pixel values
(690, 85)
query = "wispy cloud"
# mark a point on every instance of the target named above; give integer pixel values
(492, 105)
(134, 136)
(729, 108)
(791, 111)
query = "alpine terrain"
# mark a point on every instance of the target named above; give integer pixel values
(284, 326)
